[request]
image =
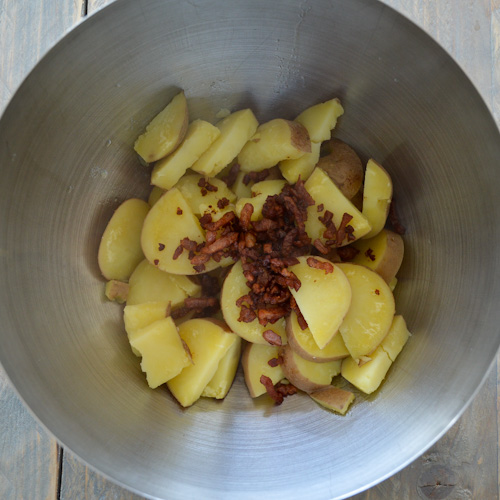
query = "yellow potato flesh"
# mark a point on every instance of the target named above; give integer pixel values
(324, 192)
(165, 131)
(163, 353)
(371, 312)
(239, 188)
(235, 130)
(369, 376)
(301, 167)
(320, 119)
(235, 287)
(323, 299)
(120, 248)
(167, 171)
(260, 192)
(208, 342)
(155, 195)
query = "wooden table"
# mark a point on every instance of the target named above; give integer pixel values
(464, 464)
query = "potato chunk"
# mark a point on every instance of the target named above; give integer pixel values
(300, 167)
(165, 131)
(116, 291)
(320, 119)
(333, 398)
(120, 248)
(155, 194)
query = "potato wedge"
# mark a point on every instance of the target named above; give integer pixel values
(167, 171)
(120, 248)
(333, 398)
(255, 363)
(301, 167)
(165, 131)
(116, 291)
(273, 142)
(383, 253)
(260, 192)
(235, 130)
(155, 195)
(370, 314)
(320, 119)
(324, 297)
(307, 375)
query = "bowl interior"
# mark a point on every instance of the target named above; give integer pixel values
(67, 162)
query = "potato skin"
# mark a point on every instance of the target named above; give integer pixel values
(343, 166)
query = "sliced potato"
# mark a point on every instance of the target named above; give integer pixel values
(235, 287)
(239, 188)
(320, 119)
(307, 375)
(383, 253)
(138, 316)
(165, 131)
(303, 343)
(116, 291)
(120, 248)
(163, 352)
(235, 130)
(273, 142)
(155, 195)
(167, 171)
(377, 196)
(371, 313)
(369, 376)
(255, 363)
(260, 192)
(208, 340)
(301, 167)
(333, 398)
(323, 298)
(325, 192)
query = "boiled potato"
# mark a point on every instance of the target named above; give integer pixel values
(371, 313)
(260, 191)
(333, 398)
(221, 382)
(369, 376)
(120, 248)
(383, 253)
(301, 167)
(307, 375)
(163, 352)
(320, 119)
(377, 196)
(165, 132)
(324, 192)
(343, 166)
(208, 340)
(273, 142)
(167, 171)
(303, 343)
(235, 130)
(235, 287)
(150, 284)
(255, 363)
(116, 291)
(323, 298)
(239, 188)
(155, 195)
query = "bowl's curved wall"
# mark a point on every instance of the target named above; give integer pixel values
(67, 162)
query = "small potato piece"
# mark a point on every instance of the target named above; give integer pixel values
(333, 398)
(167, 171)
(260, 192)
(325, 192)
(371, 313)
(255, 363)
(239, 188)
(303, 343)
(369, 376)
(235, 287)
(320, 119)
(165, 132)
(273, 142)
(163, 353)
(120, 248)
(155, 195)
(301, 167)
(116, 291)
(221, 382)
(307, 375)
(323, 298)
(344, 167)
(383, 254)
(235, 130)
(208, 340)
(377, 196)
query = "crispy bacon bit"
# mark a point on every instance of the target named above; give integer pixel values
(179, 211)
(273, 362)
(223, 221)
(178, 251)
(317, 264)
(272, 338)
(200, 302)
(394, 219)
(256, 176)
(347, 254)
(278, 392)
(285, 389)
(320, 246)
(161, 247)
(369, 253)
(156, 262)
(245, 216)
(204, 184)
(321, 207)
(203, 191)
(247, 315)
(377, 291)
(230, 178)
(222, 203)
(220, 244)
(342, 231)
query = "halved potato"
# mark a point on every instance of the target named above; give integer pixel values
(320, 119)
(120, 248)
(323, 298)
(260, 192)
(307, 375)
(273, 142)
(165, 131)
(301, 167)
(371, 313)
(333, 398)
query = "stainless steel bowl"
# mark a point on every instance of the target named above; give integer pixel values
(67, 162)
